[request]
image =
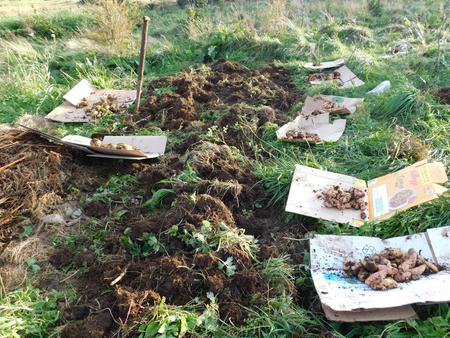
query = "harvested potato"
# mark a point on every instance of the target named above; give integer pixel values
(388, 268)
(353, 198)
(103, 107)
(301, 135)
(95, 142)
(323, 76)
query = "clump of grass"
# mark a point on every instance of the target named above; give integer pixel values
(28, 313)
(279, 317)
(405, 104)
(165, 320)
(114, 21)
(354, 34)
(279, 273)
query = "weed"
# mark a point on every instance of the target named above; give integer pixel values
(157, 198)
(228, 266)
(28, 312)
(142, 246)
(117, 189)
(279, 273)
(114, 22)
(170, 321)
(375, 7)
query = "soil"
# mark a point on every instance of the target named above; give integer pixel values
(444, 95)
(195, 90)
(117, 287)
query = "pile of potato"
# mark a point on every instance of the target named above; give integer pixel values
(388, 268)
(336, 197)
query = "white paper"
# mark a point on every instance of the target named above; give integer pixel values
(382, 87)
(342, 293)
(325, 64)
(81, 90)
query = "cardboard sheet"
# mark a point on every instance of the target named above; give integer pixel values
(147, 146)
(325, 64)
(342, 293)
(70, 112)
(307, 185)
(320, 103)
(386, 195)
(319, 124)
(76, 94)
(347, 79)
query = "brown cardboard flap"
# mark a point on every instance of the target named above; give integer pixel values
(405, 189)
(394, 313)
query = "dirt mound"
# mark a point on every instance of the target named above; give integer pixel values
(30, 179)
(444, 95)
(213, 161)
(178, 100)
(204, 207)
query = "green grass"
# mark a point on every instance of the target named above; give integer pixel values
(28, 312)
(37, 68)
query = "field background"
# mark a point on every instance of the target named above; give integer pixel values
(47, 46)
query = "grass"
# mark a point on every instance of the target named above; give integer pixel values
(28, 312)
(43, 55)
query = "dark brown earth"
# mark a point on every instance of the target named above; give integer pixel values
(444, 95)
(195, 90)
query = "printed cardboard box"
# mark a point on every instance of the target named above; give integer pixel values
(348, 299)
(386, 195)
(69, 111)
(146, 146)
(319, 125)
(324, 65)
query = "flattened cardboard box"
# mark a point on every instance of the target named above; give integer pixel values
(321, 104)
(324, 65)
(348, 299)
(404, 189)
(146, 146)
(69, 111)
(319, 125)
(347, 79)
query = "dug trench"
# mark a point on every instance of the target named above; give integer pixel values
(123, 265)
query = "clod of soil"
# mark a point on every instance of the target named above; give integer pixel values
(93, 327)
(211, 160)
(96, 209)
(132, 302)
(405, 145)
(336, 197)
(444, 95)
(205, 207)
(181, 98)
(388, 268)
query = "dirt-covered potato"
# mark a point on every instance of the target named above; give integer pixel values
(388, 268)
